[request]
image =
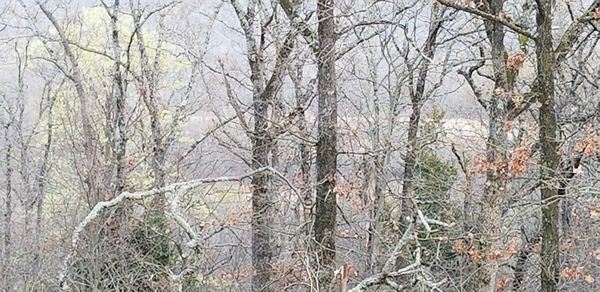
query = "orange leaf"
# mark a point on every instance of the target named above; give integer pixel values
(517, 165)
(596, 13)
(459, 247)
(474, 255)
(503, 283)
(515, 62)
(511, 247)
(569, 273)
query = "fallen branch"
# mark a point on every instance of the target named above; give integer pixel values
(179, 187)
(387, 273)
(382, 277)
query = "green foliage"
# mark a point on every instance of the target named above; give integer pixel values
(153, 239)
(434, 176)
(125, 254)
(434, 179)
(511, 76)
(523, 42)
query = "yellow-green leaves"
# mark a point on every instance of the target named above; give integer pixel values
(523, 39)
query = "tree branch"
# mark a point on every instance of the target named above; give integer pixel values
(488, 16)
(468, 75)
(309, 35)
(573, 32)
(175, 187)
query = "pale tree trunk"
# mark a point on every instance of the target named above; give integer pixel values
(374, 171)
(376, 175)
(41, 190)
(25, 188)
(303, 147)
(262, 202)
(262, 146)
(495, 184)
(264, 141)
(89, 141)
(148, 92)
(117, 106)
(263, 135)
(326, 163)
(487, 223)
(549, 149)
(8, 209)
(262, 252)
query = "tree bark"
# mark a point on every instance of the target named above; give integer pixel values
(262, 147)
(8, 209)
(119, 133)
(326, 162)
(262, 204)
(148, 92)
(550, 158)
(303, 147)
(374, 169)
(263, 137)
(41, 189)
(495, 184)
(417, 98)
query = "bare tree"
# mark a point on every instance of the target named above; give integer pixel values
(544, 89)
(348, 145)
(9, 120)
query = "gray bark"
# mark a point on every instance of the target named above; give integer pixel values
(8, 208)
(118, 133)
(326, 163)
(550, 158)
(41, 189)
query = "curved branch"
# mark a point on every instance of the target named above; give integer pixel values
(573, 31)
(488, 16)
(181, 186)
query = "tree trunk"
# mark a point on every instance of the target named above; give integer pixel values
(326, 163)
(262, 205)
(89, 139)
(119, 135)
(25, 187)
(303, 147)
(549, 149)
(375, 172)
(417, 98)
(495, 184)
(8, 210)
(149, 95)
(41, 189)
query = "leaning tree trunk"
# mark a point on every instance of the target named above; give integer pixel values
(417, 97)
(549, 149)
(93, 188)
(326, 163)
